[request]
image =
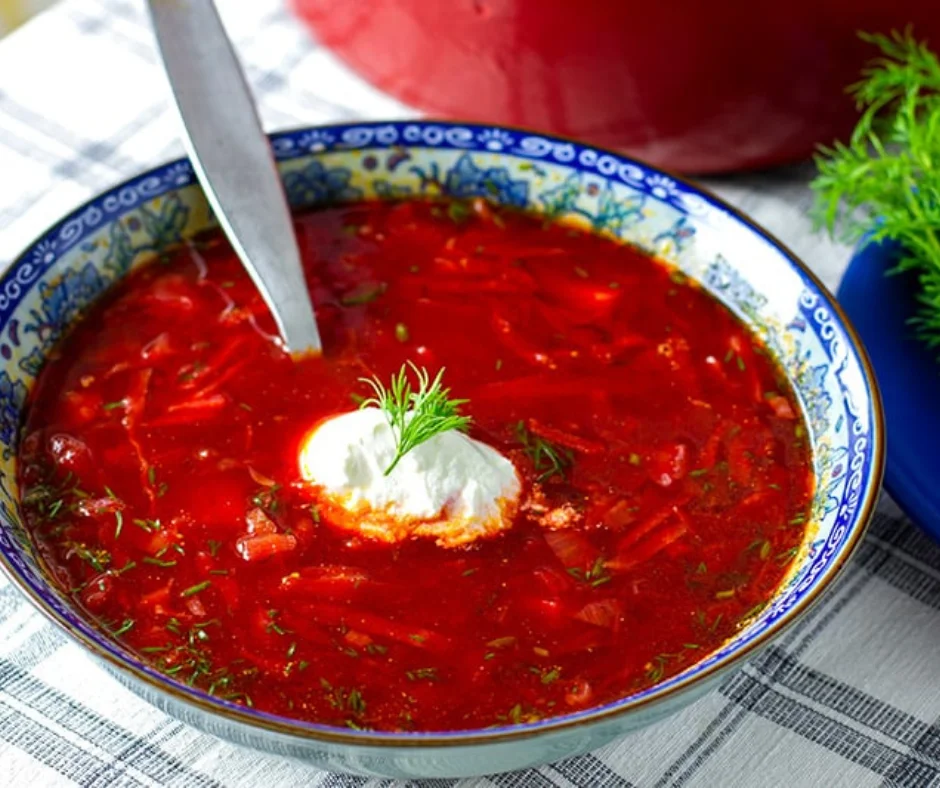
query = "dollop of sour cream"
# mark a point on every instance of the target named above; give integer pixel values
(451, 488)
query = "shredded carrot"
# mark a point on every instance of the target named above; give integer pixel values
(256, 548)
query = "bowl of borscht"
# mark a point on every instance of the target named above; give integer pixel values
(582, 438)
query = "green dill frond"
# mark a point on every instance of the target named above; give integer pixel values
(884, 184)
(415, 416)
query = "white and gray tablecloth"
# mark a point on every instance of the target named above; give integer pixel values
(851, 697)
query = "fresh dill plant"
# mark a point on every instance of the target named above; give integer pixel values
(415, 416)
(884, 184)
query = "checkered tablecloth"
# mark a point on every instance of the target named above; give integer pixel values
(851, 697)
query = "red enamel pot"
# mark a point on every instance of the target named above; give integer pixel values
(689, 85)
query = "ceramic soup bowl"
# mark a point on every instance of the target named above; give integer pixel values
(77, 260)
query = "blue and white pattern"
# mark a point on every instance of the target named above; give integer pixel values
(67, 269)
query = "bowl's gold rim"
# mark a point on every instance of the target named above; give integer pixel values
(365, 739)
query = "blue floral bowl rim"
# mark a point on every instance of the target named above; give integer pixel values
(126, 663)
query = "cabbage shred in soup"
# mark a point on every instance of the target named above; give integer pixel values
(663, 468)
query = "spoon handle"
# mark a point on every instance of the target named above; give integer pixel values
(233, 160)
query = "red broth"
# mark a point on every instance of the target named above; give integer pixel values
(168, 420)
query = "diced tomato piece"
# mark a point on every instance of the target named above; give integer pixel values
(259, 524)
(96, 595)
(82, 406)
(69, 453)
(580, 694)
(195, 606)
(257, 548)
(96, 507)
(669, 463)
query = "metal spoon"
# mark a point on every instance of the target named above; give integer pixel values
(233, 160)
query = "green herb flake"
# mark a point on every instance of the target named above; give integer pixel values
(787, 555)
(146, 525)
(126, 568)
(365, 293)
(458, 212)
(126, 626)
(753, 612)
(195, 589)
(430, 674)
(548, 459)
(551, 676)
(157, 562)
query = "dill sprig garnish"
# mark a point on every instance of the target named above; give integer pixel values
(884, 185)
(415, 416)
